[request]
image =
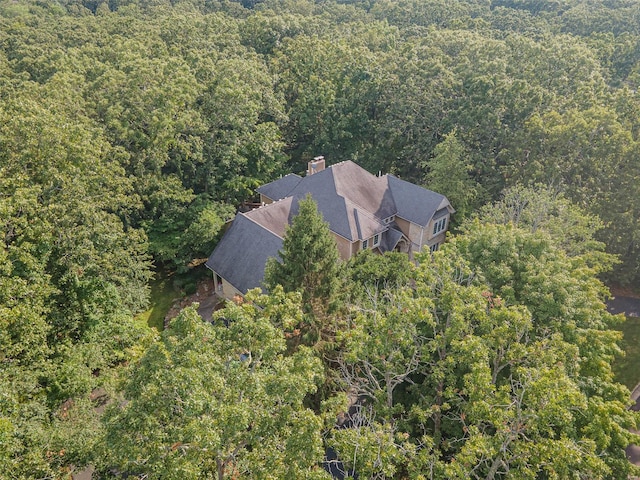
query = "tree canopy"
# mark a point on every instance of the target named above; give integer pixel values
(131, 130)
(217, 401)
(495, 362)
(197, 103)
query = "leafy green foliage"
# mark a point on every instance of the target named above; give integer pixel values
(546, 208)
(185, 233)
(209, 98)
(449, 175)
(496, 359)
(216, 400)
(128, 127)
(368, 273)
(596, 170)
(625, 367)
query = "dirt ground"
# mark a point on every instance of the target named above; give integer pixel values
(626, 301)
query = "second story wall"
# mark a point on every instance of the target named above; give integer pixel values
(424, 236)
(438, 226)
(345, 248)
(416, 234)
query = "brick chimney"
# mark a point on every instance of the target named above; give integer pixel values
(315, 166)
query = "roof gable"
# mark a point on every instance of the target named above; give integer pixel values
(352, 201)
(274, 217)
(413, 202)
(318, 185)
(344, 217)
(364, 189)
(345, 179)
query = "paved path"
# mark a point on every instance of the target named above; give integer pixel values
(208, 305)
(204, 296)
(633, 451)
(630, 306)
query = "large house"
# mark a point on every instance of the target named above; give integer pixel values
(364, 211)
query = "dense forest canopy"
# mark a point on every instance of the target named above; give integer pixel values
(197, 103)
(131, 130)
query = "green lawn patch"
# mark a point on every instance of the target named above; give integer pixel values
(627, 369)
(163, 294)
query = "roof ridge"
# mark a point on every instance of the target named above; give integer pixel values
(295, 177)
(258, 223)
(362, 210)
(341, 162)
(300, 179)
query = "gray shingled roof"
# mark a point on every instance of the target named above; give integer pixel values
(440, 213)
(364, 224)
(275, 216)
(390, 239)
(353, 201)
(364, 189)
(343, 216)
(241, 255)
(380, 197)
(280, 188)
(415, 203)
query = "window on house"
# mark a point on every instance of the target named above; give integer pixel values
(434, 247)
(439, 225)
(365, 244)
(376, 240)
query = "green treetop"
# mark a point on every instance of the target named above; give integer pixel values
(310, 261)
(217, 401)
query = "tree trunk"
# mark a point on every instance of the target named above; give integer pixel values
(221, 466)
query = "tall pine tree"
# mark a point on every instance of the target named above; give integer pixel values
(310, 261)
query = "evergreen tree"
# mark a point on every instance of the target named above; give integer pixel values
(449, 174)
(309, 261)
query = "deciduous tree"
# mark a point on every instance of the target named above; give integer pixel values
(217, 400)
(449, 174)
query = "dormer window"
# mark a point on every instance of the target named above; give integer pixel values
(388, 220)
(373, 242)
(440, 225)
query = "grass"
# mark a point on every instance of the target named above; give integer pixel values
(627, 369)
(163, 294)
